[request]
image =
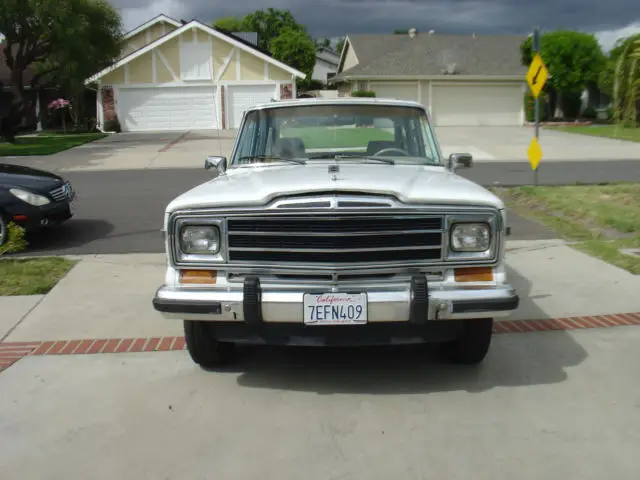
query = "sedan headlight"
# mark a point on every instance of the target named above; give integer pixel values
(200, 239)
(29, 197)
(470, 237)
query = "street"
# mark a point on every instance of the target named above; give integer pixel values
(120, 211)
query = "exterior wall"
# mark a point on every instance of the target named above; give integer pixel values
(350, 59)
(278, 74)
(321, 70)
(424, 92)
(140, 70)
(114, 78)
(108, 104)
(344, 89)
(147, 36)
(251, 67)
(169, 51)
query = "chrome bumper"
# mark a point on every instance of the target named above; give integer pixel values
(414, 302)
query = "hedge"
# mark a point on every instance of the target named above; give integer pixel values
(363, 93)
(529, 107)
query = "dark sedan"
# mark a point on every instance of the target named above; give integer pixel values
(32, 198)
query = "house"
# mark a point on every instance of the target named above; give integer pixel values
(326, 64)
(464, 80)
(176, 75)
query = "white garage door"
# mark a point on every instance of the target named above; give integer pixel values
(396, 90)
(168, 108)
(242, 97)
(477, 105)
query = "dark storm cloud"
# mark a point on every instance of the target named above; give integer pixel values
(338, 17)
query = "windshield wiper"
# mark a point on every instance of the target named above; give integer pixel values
(343, 157)
(272, 157)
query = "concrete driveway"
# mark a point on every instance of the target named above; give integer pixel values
(509, 144)
(136, 151)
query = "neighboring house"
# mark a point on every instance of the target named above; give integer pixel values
(462, 79)
(326, 64)
(192, 76)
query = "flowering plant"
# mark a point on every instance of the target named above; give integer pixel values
(59, 103)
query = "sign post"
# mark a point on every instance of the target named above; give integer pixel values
(536, 78)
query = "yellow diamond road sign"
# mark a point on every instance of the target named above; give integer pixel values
(534, 152)
(537, 75)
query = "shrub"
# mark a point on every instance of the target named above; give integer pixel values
(590, 113)
(112, 125)
(16, 241)
(529, 107)
(363, 93)
(571, 103)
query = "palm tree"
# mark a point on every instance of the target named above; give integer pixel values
(626, 86)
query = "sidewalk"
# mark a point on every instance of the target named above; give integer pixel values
(109, 296)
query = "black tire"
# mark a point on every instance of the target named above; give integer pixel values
(473, 342)
(203, 347)
(4, 230)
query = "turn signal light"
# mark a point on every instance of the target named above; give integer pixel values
(474, 274)
(208, 277)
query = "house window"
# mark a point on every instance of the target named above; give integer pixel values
(195, 61)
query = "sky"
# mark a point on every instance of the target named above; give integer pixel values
(607, 19)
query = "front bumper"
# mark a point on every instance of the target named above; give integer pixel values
(31, 218)
(414, 302)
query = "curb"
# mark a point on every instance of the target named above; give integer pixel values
(11, 352)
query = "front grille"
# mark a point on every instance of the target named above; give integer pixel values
(61, 193)
(340, 239)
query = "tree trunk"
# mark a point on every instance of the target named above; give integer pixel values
(559, 112)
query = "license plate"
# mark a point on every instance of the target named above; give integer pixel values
(335, 308)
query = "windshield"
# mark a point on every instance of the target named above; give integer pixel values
(350, 132)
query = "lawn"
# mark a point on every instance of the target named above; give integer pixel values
(601, 219)
(608, 131)
(34, 276)
(340, 137)
(46, 144)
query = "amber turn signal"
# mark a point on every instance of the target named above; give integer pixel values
(198, 276)
(474, 274)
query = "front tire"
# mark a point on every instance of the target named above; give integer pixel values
(4, 230)
(473, 342)
(203, 347)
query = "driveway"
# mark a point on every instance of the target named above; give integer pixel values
(137, 151)
(510, 144)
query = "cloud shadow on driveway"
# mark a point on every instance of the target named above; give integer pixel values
(526, 359)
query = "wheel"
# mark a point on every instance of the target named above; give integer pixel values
(203, 348)
(473, 342)
(4, 230)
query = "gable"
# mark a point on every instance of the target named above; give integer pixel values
(195, 56)
(146, 36)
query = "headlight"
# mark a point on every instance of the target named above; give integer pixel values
(470, 237)
(30, 198)
(200, 239)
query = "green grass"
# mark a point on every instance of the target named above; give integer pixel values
(602, 219)
(33, 276)
(608, 131)
(343, 137)
(46, 144)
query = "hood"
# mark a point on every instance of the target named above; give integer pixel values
(26, 177)
(256, 186)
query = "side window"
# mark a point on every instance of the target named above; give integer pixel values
(245, 141)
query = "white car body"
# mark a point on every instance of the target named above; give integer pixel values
(254, 298)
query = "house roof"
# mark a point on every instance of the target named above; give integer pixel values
(328, 55)
(149, 23)
(431, 54)
(235, 41)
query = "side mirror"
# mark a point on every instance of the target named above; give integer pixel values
(219, 164)
(460, 160)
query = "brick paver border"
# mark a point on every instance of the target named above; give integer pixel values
(11, 352)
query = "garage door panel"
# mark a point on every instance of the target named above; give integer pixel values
(242, 97)
(477, 105)
(396, 90)
(169, 108)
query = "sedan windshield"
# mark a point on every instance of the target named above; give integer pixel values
(383, 134)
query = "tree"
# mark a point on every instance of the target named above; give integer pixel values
(626, 83)
(295, 48)
(230, 24)
(270, 24)
(574, 61)
(56, 39)
(323, 42)
(340, 45)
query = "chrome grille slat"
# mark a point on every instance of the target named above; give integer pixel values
(337, 238)
(60, 193)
